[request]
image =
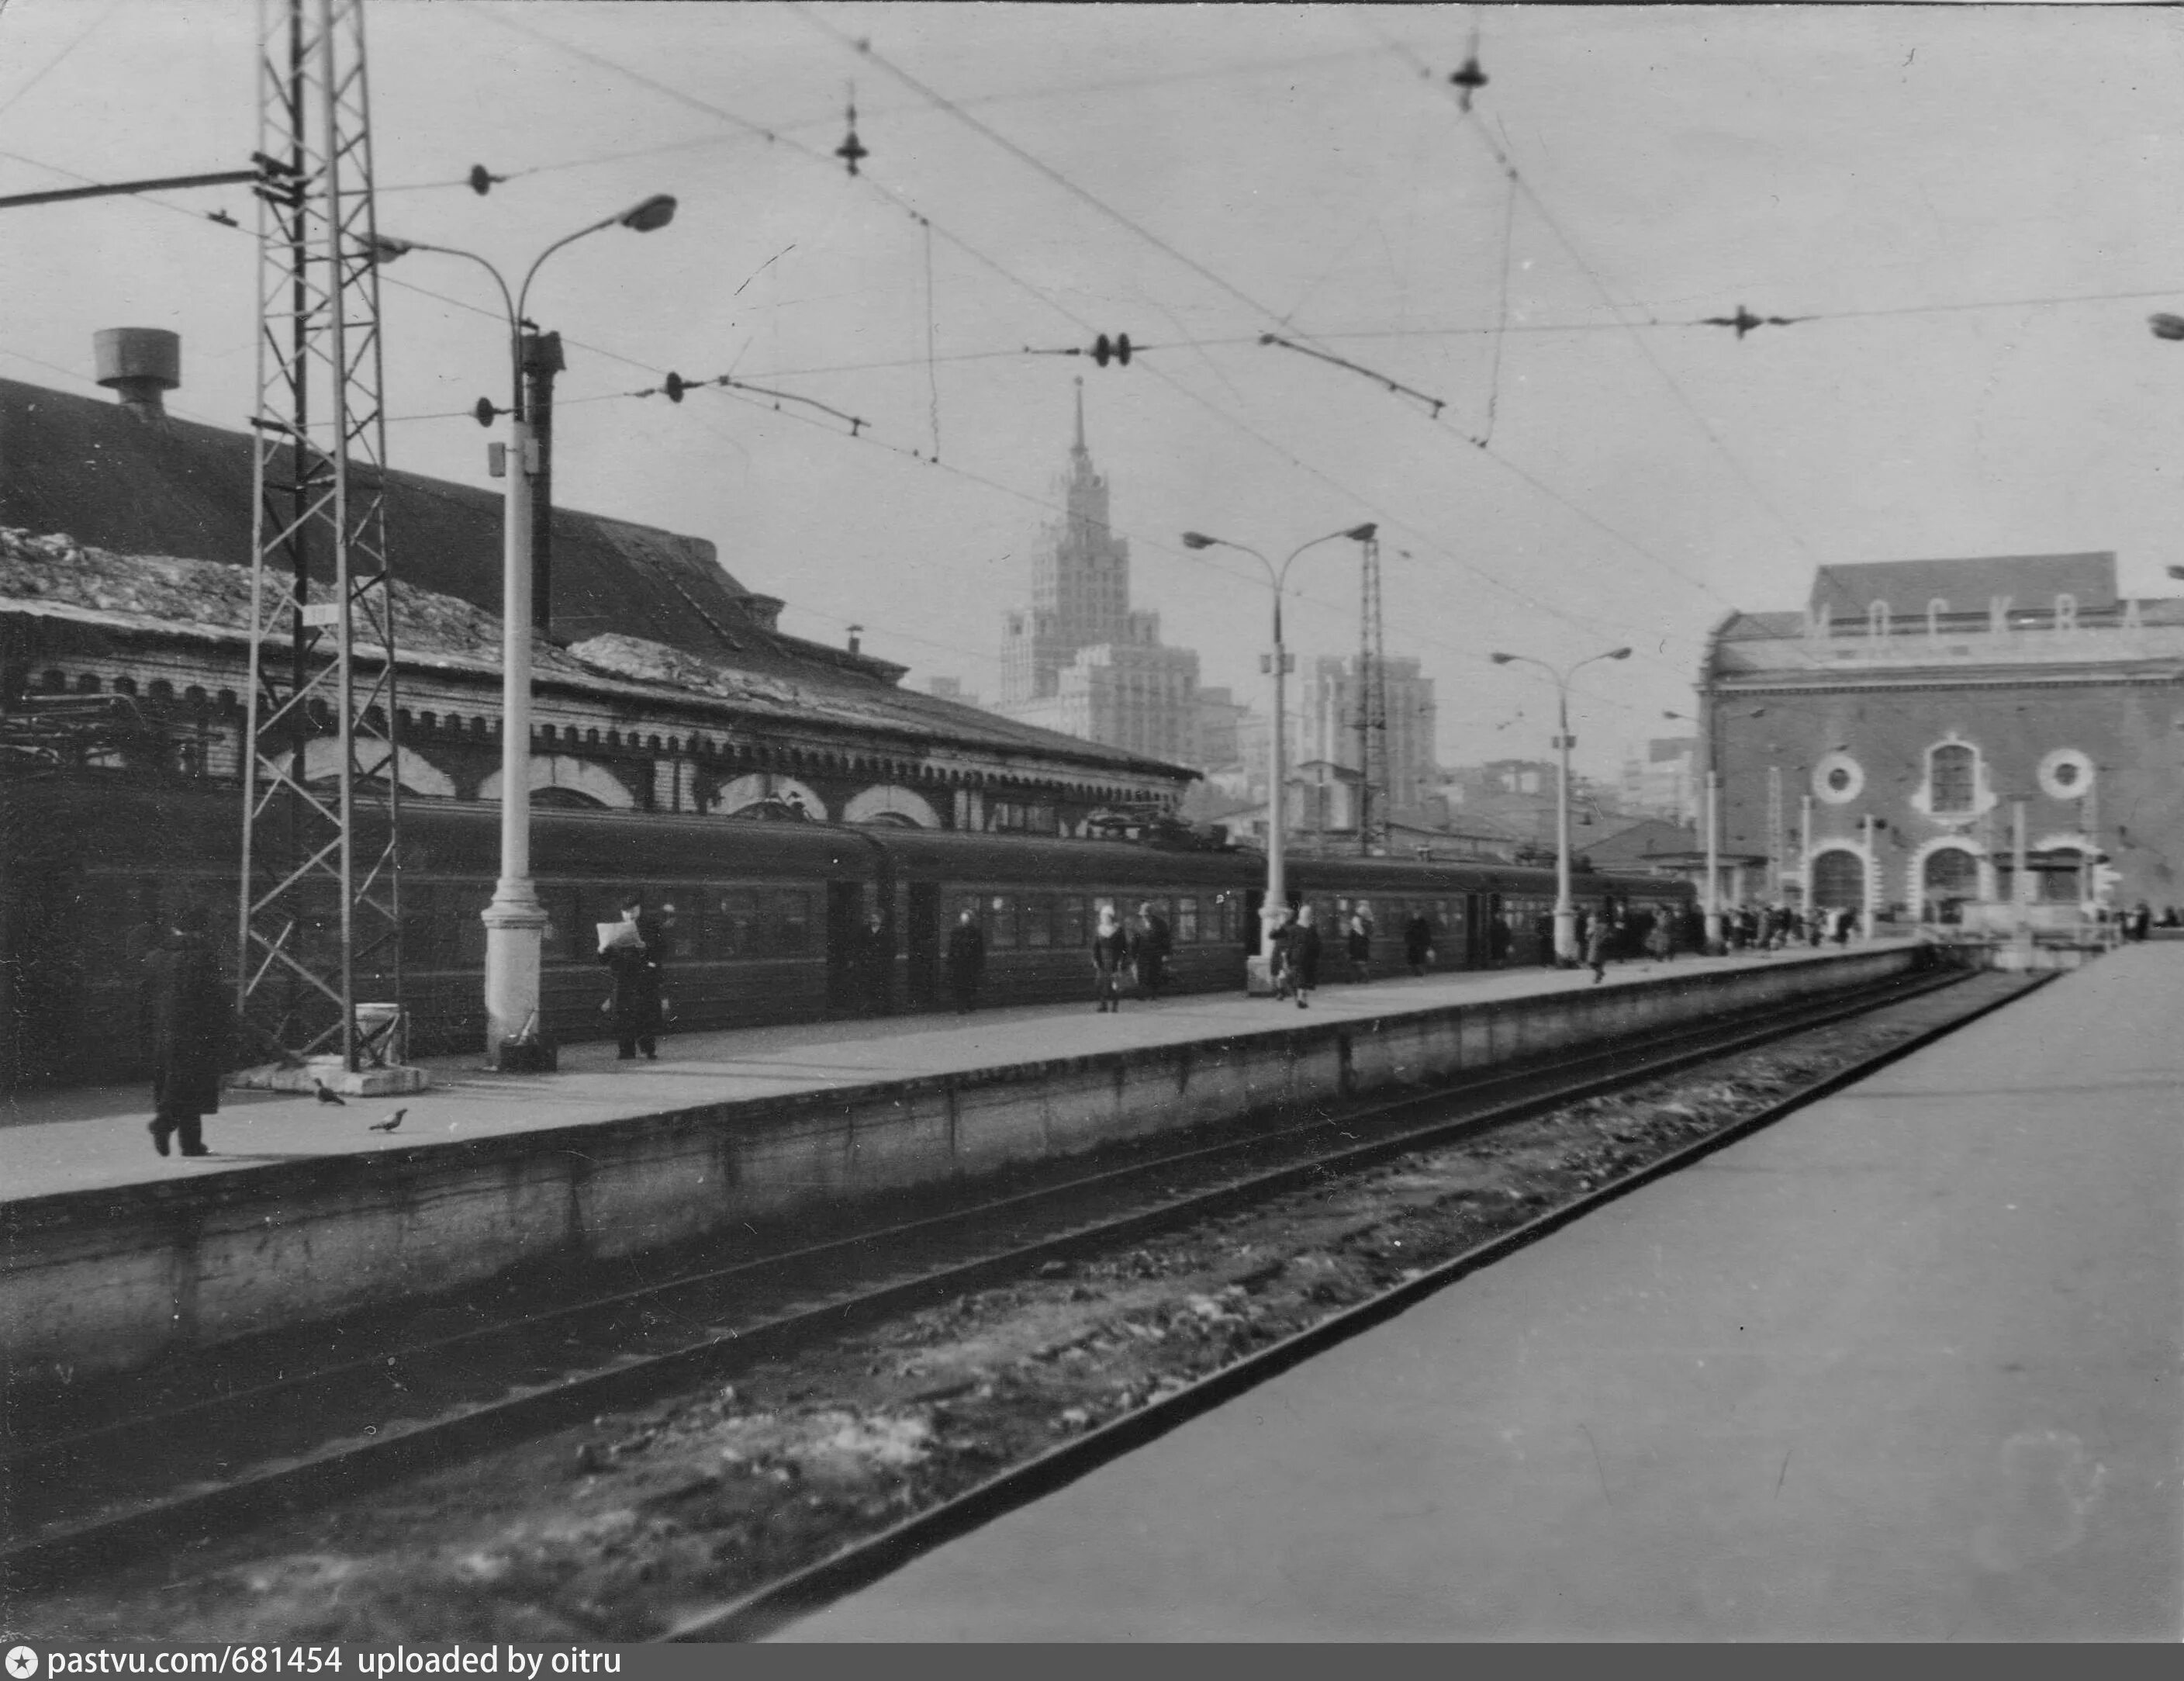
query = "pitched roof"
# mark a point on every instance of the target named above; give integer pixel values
(155, 503)
(1648, 837)
(1848, 591)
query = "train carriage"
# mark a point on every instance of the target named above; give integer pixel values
(766, 920)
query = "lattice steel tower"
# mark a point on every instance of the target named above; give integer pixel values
(319, 918)
(1373, 770)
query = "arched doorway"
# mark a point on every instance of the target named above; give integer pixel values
(1838, 880)
(2062, 875)
(1949, 877)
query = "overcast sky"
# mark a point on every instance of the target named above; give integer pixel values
(1928, 182)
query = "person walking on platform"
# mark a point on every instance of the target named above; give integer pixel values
(1543, 930)
(1417, 943)
(1150, 950)
(1111, 957)
(873, 964)
(1278, 955)
(1660, 936)
(967, 960)
(1596, 940)
(192, 1032)
(1301, 956)
(1499, 937)
(1358, 943)
(632, 954)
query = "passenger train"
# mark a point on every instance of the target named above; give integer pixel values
(765, 918)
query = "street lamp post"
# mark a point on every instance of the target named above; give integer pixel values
(1565, 909)
(1277, 895)
(514, 922)
(1710, 900)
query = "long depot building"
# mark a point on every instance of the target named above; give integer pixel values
(665, 685)
(1881, 747)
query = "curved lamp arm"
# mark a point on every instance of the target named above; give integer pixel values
(657, 211)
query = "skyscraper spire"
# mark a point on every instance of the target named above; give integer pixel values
(1078, 448)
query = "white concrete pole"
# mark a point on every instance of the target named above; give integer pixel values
(1565, 909)
(1277, 899)
(1805, 852)
(514, 922)
(1872, 881)
(1714, 861)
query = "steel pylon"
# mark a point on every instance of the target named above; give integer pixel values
(1375, 785)
(320, 915)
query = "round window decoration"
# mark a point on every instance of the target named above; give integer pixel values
(2066, 774)
(1838, 779)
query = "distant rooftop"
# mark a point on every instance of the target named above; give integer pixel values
(1909, 587)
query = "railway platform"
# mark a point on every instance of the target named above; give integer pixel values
(113, 1259)
(92, 1138)
(1905, 1366)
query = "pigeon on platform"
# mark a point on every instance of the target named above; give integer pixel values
(390, 1123)
(327, 1096)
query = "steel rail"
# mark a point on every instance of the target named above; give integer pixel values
(861, 1563)
(346, 1467)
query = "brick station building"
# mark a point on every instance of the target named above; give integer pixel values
(666, 685)
(1881, 743)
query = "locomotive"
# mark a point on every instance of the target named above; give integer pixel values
(766, 920)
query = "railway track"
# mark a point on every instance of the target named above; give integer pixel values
(127, 1484)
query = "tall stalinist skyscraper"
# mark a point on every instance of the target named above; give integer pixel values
(1078, 659)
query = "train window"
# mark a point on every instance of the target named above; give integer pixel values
(1075, 932)
(682, 912)
(421, 926)
(789, 924)
(1185, 928)
(1001, 923)
(1040, 915)
(731, 924)
(566, 940)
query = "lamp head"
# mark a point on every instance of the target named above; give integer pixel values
(1198, 539)
(657, 211)
(2166, 327)
(1361, 533)
(383, 249)
(1620, 654)
(1502, 659)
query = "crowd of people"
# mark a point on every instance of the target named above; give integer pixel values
(193, 1028)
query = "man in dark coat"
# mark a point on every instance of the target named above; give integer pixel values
(193, 1033)
(967, 960)
(1300, 955)
(634, 961)
(875, 964)
(1151, 948)
(1418, 941)
(1357, 943)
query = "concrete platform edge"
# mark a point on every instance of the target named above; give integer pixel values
(108, 1281)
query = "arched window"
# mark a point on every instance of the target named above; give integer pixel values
(1950, 769)
(1839, 878)
(1949, 877)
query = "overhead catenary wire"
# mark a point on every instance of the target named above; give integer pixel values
(954, 108)
(1001, 271)
(1435, 405)
(56, 61)
(864, 49)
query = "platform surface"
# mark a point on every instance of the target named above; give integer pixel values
(1904, 1366)
(91, 1138)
